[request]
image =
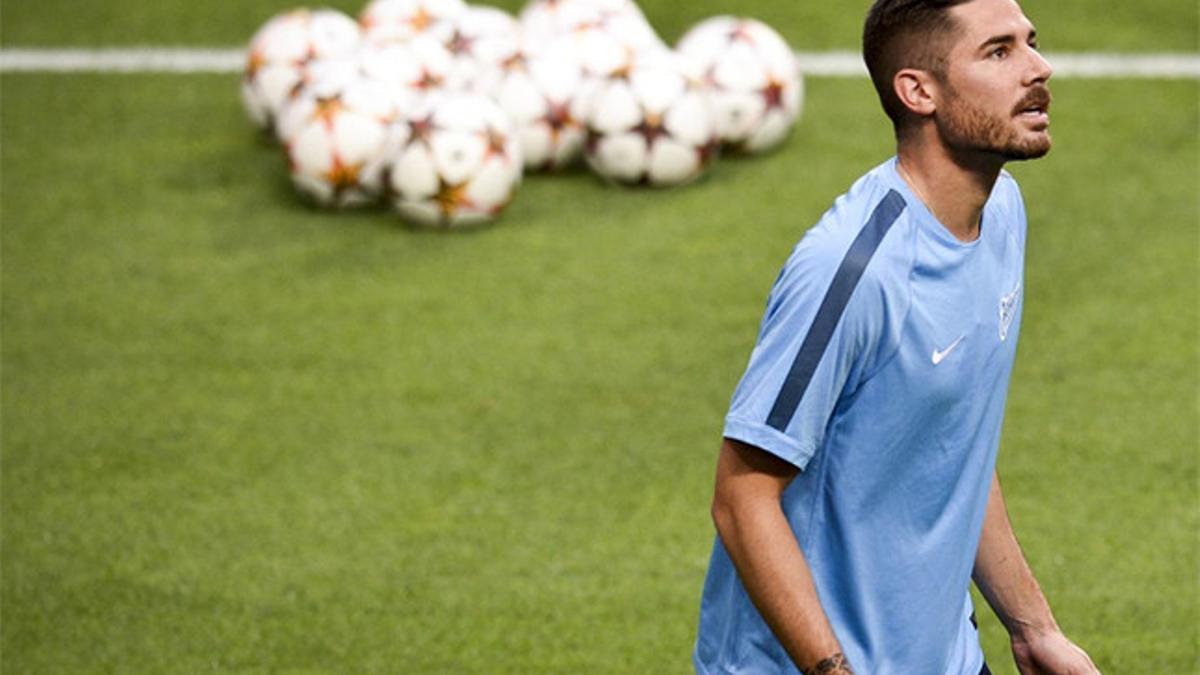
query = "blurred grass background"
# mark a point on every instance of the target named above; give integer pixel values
(241, 435)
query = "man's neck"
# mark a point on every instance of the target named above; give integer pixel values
(954, 189)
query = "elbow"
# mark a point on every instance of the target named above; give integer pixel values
(736, 512)
(724, 514)
(719, 512)
(749, 488)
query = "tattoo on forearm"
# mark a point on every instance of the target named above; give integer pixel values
(834, 665)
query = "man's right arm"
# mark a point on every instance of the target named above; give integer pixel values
(749, 517)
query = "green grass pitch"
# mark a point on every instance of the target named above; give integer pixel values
(242, 436)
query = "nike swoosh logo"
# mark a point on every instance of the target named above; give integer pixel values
(940, 355)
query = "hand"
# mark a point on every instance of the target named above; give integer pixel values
(1051, 654)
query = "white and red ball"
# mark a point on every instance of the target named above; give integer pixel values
(420, 65)
(326, 76)
(460, 165)
(340, 136)
(607, 38)
(280, 52)
(544, 20)
(483, 40)
(545, 97)
(654, 126)
(400, 20)
(757, 88)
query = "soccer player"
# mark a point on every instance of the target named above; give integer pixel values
(856, 495)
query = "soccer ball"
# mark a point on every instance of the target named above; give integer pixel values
(417, 66)
(756, 86)
(483, 41)
(544, 20)
(411, 70)
(340, 135)
(607, 37)
(400, 20)
(544, 96)
(325, 76)
(460, 165)
(282, 50)
(651, 127)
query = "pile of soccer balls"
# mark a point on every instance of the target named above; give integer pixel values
(438, 106)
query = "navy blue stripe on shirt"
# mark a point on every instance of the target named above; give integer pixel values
(832, 307)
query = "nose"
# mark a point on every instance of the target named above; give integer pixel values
(1040, 69)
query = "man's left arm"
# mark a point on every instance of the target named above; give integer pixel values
(1007, 583)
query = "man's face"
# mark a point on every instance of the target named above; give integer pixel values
(994, 97)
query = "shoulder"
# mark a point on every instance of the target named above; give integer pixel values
(862, 248)
(857, 225)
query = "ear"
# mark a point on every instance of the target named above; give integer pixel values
(916, 90)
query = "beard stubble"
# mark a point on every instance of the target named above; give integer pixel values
(967, 126)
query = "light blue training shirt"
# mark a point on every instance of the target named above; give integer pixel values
(881, 371)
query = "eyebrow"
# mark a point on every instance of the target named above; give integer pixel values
(1008, 38)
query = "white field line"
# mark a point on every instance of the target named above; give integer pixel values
(133, 60)
(818, 64)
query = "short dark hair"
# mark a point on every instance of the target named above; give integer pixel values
(902, 34)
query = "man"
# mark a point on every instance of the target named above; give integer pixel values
(855, 494)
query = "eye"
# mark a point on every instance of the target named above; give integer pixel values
(999, 52)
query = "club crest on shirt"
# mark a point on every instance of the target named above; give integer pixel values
(1008, 310)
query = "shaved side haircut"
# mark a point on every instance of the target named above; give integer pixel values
(902, 34)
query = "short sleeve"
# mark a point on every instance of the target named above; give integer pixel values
(822, 331)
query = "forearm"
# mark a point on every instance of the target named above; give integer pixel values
(1003, 575)
(776, 576)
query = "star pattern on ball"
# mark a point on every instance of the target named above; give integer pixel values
(772, 94)
(451, 198)
(496, 144)
(558, 118)
(588, 25)
(461, 45)
(514, 63)
(254, 63)
(427, 81)
(739, 33)
(369, 22)
(709, 79)
(343, 176)
(651, 128)
(421, 129)
(421, 20)
(625, 68)
(327, 108)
